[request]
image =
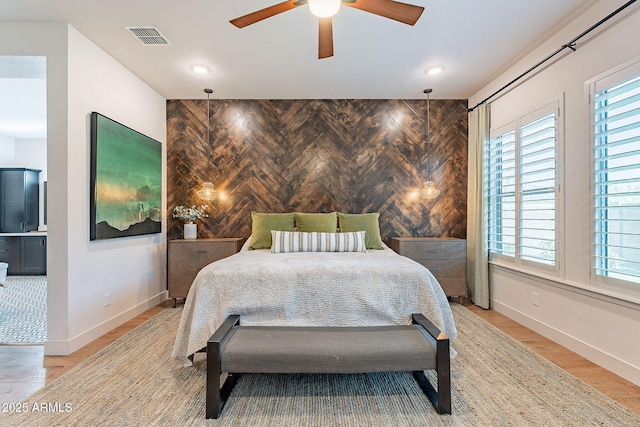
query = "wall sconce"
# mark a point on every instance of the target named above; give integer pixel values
(208, 191)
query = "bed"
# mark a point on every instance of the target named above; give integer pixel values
(373, 288)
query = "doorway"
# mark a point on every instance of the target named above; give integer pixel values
(23, 145)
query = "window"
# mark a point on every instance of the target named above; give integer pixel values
(522, 189)
(501, 193)
(615, 110)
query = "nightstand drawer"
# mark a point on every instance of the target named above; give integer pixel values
(445, 267)
(201, 254)
(449, 249)
(453, 286)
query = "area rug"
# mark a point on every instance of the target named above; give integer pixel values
(23, 310)
(496, 382)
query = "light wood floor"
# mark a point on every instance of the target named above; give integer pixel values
(25, 369)
(617, 388)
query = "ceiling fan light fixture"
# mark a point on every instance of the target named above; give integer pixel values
(324, 8)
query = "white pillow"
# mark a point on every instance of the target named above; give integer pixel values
(299, 241)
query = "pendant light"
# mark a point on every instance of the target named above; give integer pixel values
(208, 191)
(429, 189)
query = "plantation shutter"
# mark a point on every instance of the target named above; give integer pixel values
(616, 184)
(538, 190)
(500, 175)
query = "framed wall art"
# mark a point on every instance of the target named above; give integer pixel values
(126, 181)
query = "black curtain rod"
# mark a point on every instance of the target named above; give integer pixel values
(570, 45)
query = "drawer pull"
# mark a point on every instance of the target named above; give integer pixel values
(433, 251)
(202, 252)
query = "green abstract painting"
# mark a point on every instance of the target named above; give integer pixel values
(126, 181)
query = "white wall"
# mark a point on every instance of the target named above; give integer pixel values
(82, 78)
(50, 40)
(31, 153)
(131, 269)
(23, 105)
(598, 324)
(7, 151)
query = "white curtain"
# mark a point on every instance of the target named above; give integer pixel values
(477, 253)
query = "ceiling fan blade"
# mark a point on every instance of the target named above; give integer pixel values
(402, 12)
(265, 13)
(325, 38)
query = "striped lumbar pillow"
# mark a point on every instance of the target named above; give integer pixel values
(298, 241)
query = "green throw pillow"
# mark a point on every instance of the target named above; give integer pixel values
(263, 223)
(359, 222)
(320, 222)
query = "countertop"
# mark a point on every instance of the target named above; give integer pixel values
(28, 233)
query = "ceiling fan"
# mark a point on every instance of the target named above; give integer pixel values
(325, 9)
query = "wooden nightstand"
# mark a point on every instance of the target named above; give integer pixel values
(445, 257)
(186, 257)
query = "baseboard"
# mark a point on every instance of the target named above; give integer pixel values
(63, 348)
(595, 355)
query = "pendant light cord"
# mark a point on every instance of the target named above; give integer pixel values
(428, 92)
(208, 92)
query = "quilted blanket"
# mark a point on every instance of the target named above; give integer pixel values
(375, 288)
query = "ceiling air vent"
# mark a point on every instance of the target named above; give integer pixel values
(148, 36)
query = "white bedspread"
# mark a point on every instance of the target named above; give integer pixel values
(375, 288)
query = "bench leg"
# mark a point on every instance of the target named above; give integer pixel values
(215, 395)
(443, 362)
(438, 398)
(441, 399)
(216, 400)
(213, 398)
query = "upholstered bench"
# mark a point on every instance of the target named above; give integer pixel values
(237, 349)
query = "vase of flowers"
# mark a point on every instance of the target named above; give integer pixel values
(189, 215)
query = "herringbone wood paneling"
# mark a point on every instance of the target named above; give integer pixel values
(318, 156)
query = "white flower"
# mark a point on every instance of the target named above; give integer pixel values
(189, 215)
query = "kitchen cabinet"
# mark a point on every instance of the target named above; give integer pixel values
(26, 255)
(19, 200)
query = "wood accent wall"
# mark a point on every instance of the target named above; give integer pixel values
(351, 156)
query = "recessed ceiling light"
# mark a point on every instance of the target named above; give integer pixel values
(434, 70)
(200, 69)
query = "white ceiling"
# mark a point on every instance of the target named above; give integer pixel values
(276, 58)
